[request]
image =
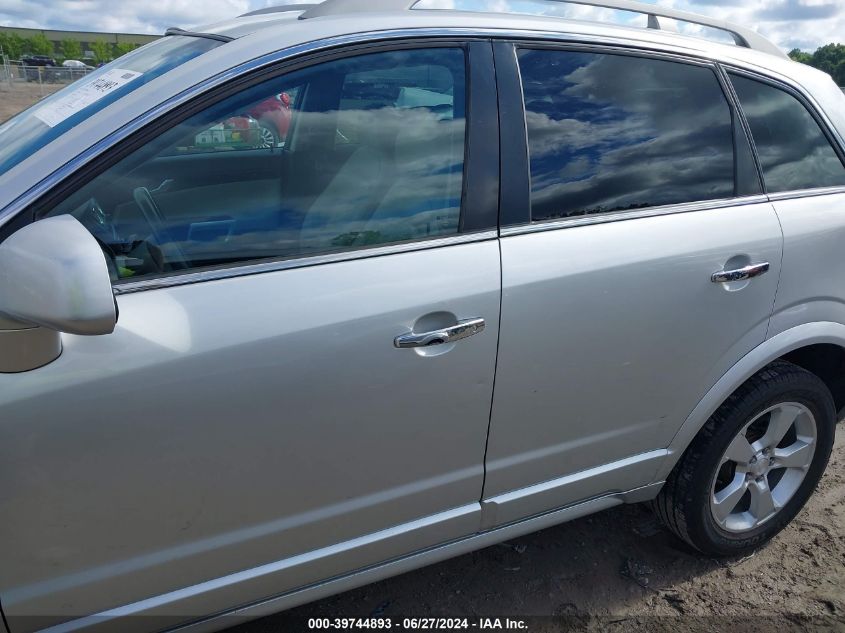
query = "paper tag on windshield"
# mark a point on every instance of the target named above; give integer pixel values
(90, 92)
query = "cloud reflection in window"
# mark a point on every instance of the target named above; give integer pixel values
(611, 132)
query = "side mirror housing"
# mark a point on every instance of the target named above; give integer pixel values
(53, 274)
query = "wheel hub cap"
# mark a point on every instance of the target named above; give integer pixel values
(760, 466)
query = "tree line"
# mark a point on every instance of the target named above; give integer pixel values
(830, 59)
(14, 47)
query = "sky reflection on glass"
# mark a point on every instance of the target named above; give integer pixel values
(610, 133)
(794, 153)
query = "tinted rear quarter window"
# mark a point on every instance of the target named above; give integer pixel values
(610, 132)
(794, 151)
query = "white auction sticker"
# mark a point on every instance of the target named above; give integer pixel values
(90, 92)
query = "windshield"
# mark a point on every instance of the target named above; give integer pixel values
(34, 128)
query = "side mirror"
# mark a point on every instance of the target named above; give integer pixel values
(53, 274)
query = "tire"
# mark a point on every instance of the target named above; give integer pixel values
(696, 500)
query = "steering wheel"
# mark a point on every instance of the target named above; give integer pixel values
(96, 212)
(152, 214)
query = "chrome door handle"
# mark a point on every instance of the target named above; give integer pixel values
(740, 274)
(464, 329)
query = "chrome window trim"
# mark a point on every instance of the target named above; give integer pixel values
(611, 49)
(620, 216)
(274, 265)
(807, 193)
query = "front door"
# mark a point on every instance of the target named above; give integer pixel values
(257, 422)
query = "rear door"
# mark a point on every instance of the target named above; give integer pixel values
(291, 392)
(640, 187)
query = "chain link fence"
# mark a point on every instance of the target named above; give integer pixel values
(46, 78)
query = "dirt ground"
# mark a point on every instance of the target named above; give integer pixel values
(619, 570)
(21, 95)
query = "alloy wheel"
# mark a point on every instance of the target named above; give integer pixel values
(763, 467)
(268, 139)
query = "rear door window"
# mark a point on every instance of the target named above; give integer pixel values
(609, 133)
(794, 152)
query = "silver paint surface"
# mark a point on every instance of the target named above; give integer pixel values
(625, 308)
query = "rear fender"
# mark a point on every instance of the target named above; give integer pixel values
(770, 350)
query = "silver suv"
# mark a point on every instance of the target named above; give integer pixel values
(500, 271)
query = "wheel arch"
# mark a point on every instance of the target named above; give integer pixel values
(818, 347)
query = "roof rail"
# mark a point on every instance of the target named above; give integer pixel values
(280, 9)
(741, 35)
